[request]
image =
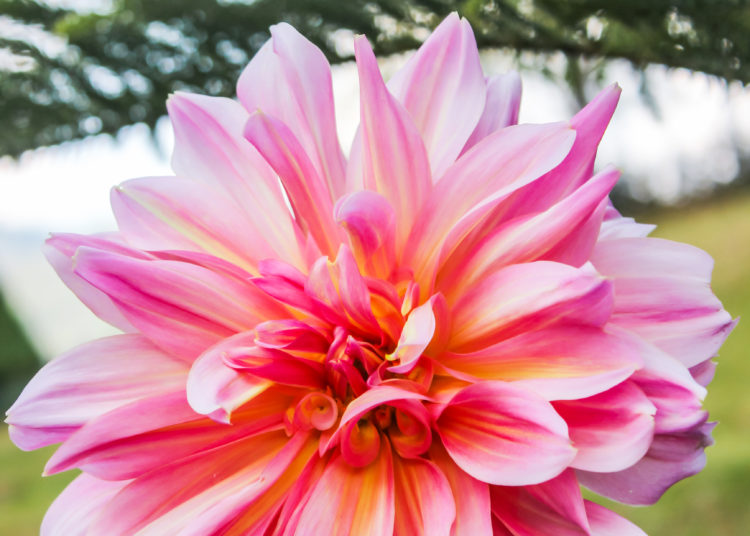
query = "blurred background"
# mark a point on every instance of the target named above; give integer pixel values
(82, 91)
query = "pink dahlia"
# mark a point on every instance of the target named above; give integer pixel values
(448, 333)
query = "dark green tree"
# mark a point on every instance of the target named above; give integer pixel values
(66, 73)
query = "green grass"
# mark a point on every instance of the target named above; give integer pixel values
(714, 502)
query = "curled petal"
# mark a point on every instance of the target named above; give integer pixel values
(316, 410)
(360, 443)
(501, 434)
(415, 337)
(215, 389)
(370, 222)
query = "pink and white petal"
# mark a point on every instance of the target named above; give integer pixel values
(505, 435)
(416, 335)
(394, 160)
(182, 307)
(559, 363)
(611, 430)
(605, 522)
(481, 179)
(671, 458)
(173, 496)
(530, 238)
(253, 508)
(500, 109)
(351, 500)
(152, 432)
(164, 213)
(76, 507)
(217, 390)
(423, 498)
(443, 89)
(88, 381)
(340, 285)
(528, 296)
(290, 78)
(305, 188)
(551, 508)
(663, 293)
(589, 125)
(210, 147)
(370, 223)
(60, 249)
(471, 497)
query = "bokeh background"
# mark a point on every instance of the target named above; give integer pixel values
(82, 91)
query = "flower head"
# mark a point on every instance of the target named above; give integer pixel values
(446, 333)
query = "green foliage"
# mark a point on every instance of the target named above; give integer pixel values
(66, 74)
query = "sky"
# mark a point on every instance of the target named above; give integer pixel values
(66, 188)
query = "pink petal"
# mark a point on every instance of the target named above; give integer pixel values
(210, 147)
(670, 458)
(152, 432)
(559, 363)
(663, 293)
(75, 508)
(500, 164)
(350, 500)
(289, 78)
(179, 496)
(60, 249)
(159, 213)
(605, 522)
(88, 381)
(183, 308)
(501, 108)
(589, 125)
(394, 161)
(554, 507)
(423, 498)
(443, 89)
(471, 497)
(306, 190)
(610, 430)
(501, 434)
(529, 238)
(214, 388)
(340, 285)
(524, 296)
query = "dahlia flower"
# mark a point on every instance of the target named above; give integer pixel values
(448, 332)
